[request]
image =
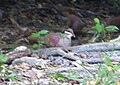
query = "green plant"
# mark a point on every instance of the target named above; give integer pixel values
(3, 59)
(5, 72)
(102, 32)
(59, 76)
(38, 35)
(107, 73)
(73, 75)
(12, 77)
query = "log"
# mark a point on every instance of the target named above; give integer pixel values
(94, 52)
(95, 47)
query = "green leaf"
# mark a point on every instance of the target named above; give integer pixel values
(59, 76)
(100, 28)
(116, 67)
(102, 71)
(3, 58)
(12, 77)
(112, 28)
(108, 61)
(73, 75)
(35, 46)
(43, 32)
(93, 30)
(97, 20)
(35, 35)
(1, 68)
(40, 34)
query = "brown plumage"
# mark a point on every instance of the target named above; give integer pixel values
(114, 21)
(74, 22)
(61, 40)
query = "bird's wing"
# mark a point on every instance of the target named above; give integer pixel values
(54, 38)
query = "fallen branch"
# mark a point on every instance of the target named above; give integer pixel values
(95, 47)
(94, 52)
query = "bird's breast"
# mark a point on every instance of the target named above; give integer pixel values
(64, 42)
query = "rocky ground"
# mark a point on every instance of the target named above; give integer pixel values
(18, 20)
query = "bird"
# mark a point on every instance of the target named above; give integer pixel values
(61, 40)
(74, 22)
(114, 21)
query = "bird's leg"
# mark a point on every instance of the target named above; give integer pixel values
(66, 48)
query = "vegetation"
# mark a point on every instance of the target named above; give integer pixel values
(6, 73)
(20, 18)
(3, 59)
(39, 35)
(107, 75)
(102, 32)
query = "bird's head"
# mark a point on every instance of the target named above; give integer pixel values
(69, 32)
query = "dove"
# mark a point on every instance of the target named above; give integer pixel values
(61, 40)
(114, 21)
(74, 22)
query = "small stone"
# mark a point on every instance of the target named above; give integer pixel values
(21, 48)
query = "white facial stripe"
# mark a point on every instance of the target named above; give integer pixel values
(68, 34)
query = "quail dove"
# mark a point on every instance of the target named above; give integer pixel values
(61, 40)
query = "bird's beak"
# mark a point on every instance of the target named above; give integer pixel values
(73, 35)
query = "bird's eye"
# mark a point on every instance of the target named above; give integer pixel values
(69, 31)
